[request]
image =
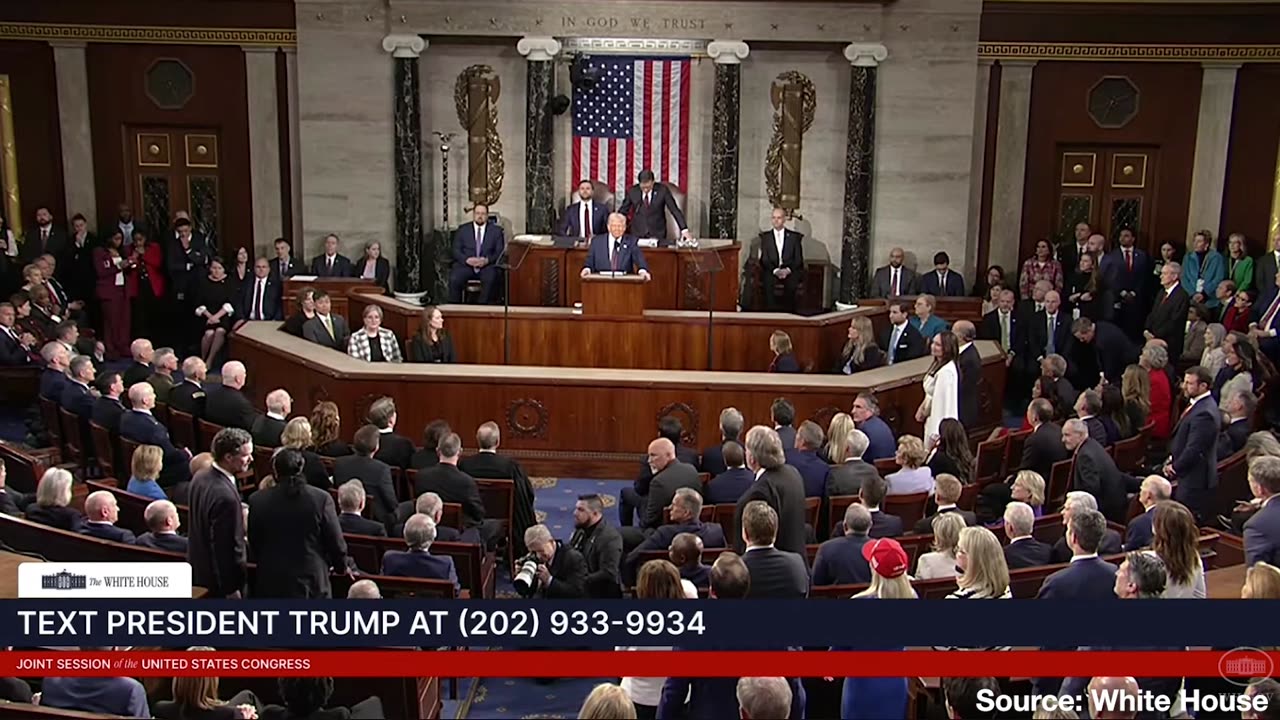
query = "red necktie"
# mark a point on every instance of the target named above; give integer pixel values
(646, 199)
(586, 221)
(1271, 313)
(1128, 259)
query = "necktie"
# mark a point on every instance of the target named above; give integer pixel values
(328, 325)
(646, 199)
(479, 239)
(1004, 330)
(330, 271)
(942, 283)
(257, 300)
(893, 290)
(893, 342)
(613, 254)
(586, 220)
(1271, 313)
(1050, 347)
(1128, 259)
(44, 237)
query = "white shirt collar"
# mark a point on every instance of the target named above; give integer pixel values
(386, 430)
(1198, 398)
(759, 473)
(275, 416)
(1020, 537)
(1090, 556)
(759, 547)
(942, 508)
(964, 347)
(142, 410)
(873, 508)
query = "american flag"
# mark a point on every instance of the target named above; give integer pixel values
(635, 117)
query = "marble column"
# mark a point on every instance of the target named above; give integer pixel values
(726, 108)
(417, 270)
(859, 168)
(1213, 137)
(73, 128)
(264, 147)
(1010, 171)
(294, 233)
(539, 190)
(977, 160)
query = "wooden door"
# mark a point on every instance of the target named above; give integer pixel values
(1111, 188)
(175, 169)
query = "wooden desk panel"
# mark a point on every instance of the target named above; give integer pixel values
(590, 423)
(550, 277)
(339, 289)
(950, 309)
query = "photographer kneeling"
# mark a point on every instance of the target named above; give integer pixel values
(551, 569)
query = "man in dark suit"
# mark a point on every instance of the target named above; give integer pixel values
(840, 560)
(1193, 451)
(601, 546)
(881, 442)
(283, 265)
(1094, 471)
(562, 571)
(776, 483)
(1050, 331)
(781, 261)
(669, 475)
(1262, 531)
(1023, 550)
(1154, 490)
(632, 500)
(1265, 322)
(1267, 266)
(783, 414)
(1238, 408)
(488, 464)
(1168, 317)
(54, 376)
(351, 500)
(901, 341)
(969, 366)
(729, 485)
(417, 561)
(267, 429)
(77, 396)
(430, 504)
(1003, 326)
(393, 449)
(186, 258)
(477, 248)
(774, 573)
(375, 475)
(644, 207)
(1069, 253)
(1087, 577)
(327, 328)
(615, 251)
(127, 224)
(712, 460)
(140, 426)
(162, 521)
(847, 477)
(189, 395)
(686, 509)
(1088, 408)
(454, 486)
(1044, 446)
(804, 458)
(1126, 272)
(942, 282)
(108, 408)
(101, 513)
(946, 493)
(882, 523)
(143, 352)
(15, 345)
(331, 263)
(45, 237)
(227, 405)
(583, 219)
(894, 280)
(260, 295)
(1079, 501)
(1101, 349)
(216, 547)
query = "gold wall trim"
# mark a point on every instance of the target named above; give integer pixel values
(1144, 53)
(9, 160)
(148, 34)
(1275, 204)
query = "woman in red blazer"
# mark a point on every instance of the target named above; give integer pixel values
(145, 287)
(113, 271)
(1236, 318)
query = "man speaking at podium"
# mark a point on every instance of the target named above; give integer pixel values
(615, 251)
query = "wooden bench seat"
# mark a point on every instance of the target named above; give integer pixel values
(477, 569)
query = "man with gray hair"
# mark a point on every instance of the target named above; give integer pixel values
(685, 517)
(1262, 530)
(866, 417)
(162, 521)
(1087, 576)
(165, 363)
(351, 500)
(764, 698)
(1023, 550)
(847, 477)
(1141, 576)
(1095, 472)
(779, 485)
(142, 352)
(1168, 318)
(562, 571)
(430, 504)
(140, 426)
(840, 560)
(417, 561)
(455, 486)
(712, 461)
(364, 590)
(77, 395)
(189, 395)
(393, 449)
(1238, 408)
(227, 405)
(268, 428)
(488, 464)
(1139, 532)
(813, 470)
(1078, 501)
(969, 365)
(101, 511)
(56, 359)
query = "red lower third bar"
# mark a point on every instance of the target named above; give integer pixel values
(570, 663)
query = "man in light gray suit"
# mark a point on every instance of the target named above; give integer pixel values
(895, 279)
(326, 328)
(847, 477)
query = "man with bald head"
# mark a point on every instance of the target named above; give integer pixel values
(615, 251)
(781, 262)
(1050, 332)
(227, 405)
(686, 554)
(895, 278)
(669, 475)
(267, 428)
(969, 365)
(1122, 691)
(162, 521)
(140, 426)
(101, 511)
(1139, 533)
(140, 369)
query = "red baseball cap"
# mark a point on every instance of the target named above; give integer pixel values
(886, 556)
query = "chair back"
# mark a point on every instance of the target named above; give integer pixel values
(910, 507)
(1013, 446)
(1059, 484)
(885, 466)
(724, 516)
(812, 508)
(24, 465)
(837, 505)
(451, 516)
(262, 461)
(71, 441)
(52, 421)
(990, 461)
(1130, 455)
(968, 496)
(182, 430)
(1233, 483)
(207, 431)
(127, 447)
(104, 446)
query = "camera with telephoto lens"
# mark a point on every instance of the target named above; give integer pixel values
(526, 578)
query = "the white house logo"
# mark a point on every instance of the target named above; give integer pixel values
(63, 581)
(1241, 665)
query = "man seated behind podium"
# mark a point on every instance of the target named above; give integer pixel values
(585, 218)
(615, 251)
(477, 246)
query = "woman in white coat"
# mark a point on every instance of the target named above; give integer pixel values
(941, 386)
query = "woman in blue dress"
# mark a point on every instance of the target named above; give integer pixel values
(873, 698)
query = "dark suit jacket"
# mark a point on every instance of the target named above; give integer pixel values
(215, 534)
(1026, 553)
(30, 248)
(295, 538)
(1042, 449)
(186, 266)
(683, 454)
(381, 271)
(628, 258)
(9, 504)
(711, 533)
(164, 541)
(292, 267)
(882, 283)
(1117, 277)
(107, 531)
(840, 562)
(847, 477)
(601, 548)
(228, 407)
(136, 372)
(272, 301)
(1095, 472)
(1091, 579)
(315, 331)
(712, 460)
(1264, 272)
(792, 253)
(1261, 535)
(649, 221)
(188, 397)
(341, 266)
(419, 564)
(662, 490)
(1038, 335)
(65, 518)
(51, 384)
(464, 244)
(783, 489)
(12, 354)
(144, 429)
(571, 221)
(491, 465)
(882, 442)
(266, 431)
(989, 329)
(1168, 318)
(1194, 448)
(776, 573)
(1232, 438)
(884, 525)
(813, 471)
(728, 486)
(568, 574)
(925, 525)
(357, 525)
(394, 450)
(1110, 545)
(1114, 349)
(454, 486)
(375, 475)
(77, 399)
(969, 366)
(930, 284)
(911, 344)
(1139, 533)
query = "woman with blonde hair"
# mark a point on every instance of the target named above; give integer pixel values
(372, 342)
(915, 476)
(607, 702)
(837, 447)
(984, 574)
(658, 580)
(326, 426)
(196, 698)
(860, 351)
(1213, 357)
(298, 436)
(1261, 582)
(145, 469)
(53, 498)
(784, 360)
(946, 536)
(1135, 388)
(1028, 487)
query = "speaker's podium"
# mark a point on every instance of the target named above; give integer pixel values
(611, 294)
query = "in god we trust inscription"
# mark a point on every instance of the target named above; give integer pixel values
(634, 22)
